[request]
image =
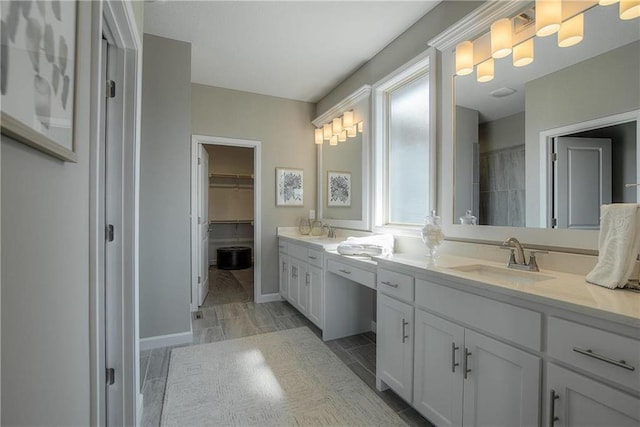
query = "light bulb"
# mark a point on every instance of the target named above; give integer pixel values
(337, 125)
(464, 58)
(523, 53)
(484, 71)
(501, 38)
(352, 131)
(343, 136)
(326, 131)
(333, 140)
(548, 17)
(572, 31)
(318, 136)
(347, 120)
(629, 9)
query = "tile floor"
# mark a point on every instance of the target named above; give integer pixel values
(219, 322)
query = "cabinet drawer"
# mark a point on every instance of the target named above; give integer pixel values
(314, 257)
(358, 275)
(512, 323)
(594, 350)
(282, 247)
(395, 284)
(297, 251)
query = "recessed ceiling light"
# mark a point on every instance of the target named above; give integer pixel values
(502, 92)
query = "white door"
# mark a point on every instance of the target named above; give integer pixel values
(583, 181)
(438, 378)
(203, 224)
(316, 291)
(395, 345)
(580, 401)
(502, 384)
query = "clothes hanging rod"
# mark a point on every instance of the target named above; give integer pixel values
(230, 175)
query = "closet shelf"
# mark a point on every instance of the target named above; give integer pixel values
(231, 221)
(232, 186)
(230, 175)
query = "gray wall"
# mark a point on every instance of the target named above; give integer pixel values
(407, 46)
(45, 272)
(466, 167)
(165, 248)
(285, 130)
(502, 133)
(567, 97)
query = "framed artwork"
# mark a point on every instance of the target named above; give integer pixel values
(289, 187)
(38, 74)
(339, 186)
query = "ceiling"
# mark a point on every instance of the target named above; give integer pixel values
(291, 49)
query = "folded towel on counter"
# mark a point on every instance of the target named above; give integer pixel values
(378, 244)
(618, 245)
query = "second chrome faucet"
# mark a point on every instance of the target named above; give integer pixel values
(517, 258)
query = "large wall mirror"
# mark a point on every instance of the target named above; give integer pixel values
(546, 144)
(343, 169)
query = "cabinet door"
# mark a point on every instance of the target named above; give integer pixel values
(294, 280)
(303, 286)
(582, 401)
(284, 275)
(316, 292)
(438, 378)
(502, 384)
(395, 345)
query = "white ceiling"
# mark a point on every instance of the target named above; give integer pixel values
(290, 49)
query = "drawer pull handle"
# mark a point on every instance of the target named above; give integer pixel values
(312, 257)
(619, 363)
(393, 285)
(467, 353)
(552, 408)
(345, 271)
(454, 347)
(404, 331)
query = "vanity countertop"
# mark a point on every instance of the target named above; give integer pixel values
(563, 290)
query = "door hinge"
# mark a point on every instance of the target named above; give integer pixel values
(199, 279)
(554, 222)
(554, 157)
(111, 376)
(109, 233)
(111, 89)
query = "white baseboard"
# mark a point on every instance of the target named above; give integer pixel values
(139, 407)
(165, 340)
(374, 326)
(268, 298)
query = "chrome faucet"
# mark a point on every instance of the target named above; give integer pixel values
(331, 233)
(517, 258)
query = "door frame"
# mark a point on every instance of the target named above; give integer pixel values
(115, 21)
(546, 148)
(196, 140)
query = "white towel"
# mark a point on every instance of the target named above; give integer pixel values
(618, 245)
(378, 244)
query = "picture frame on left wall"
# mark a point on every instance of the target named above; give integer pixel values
(38, 67)
(289, 187)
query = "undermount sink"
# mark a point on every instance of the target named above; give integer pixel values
(501, 274)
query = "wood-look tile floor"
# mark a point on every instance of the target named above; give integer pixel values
(231, 320)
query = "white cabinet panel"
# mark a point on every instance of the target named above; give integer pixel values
(296, 281)
(438, 380)
(501, 384)
(395, 345)
(284, 275)
(584, 402)
(316, 293)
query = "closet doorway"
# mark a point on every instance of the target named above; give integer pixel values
(225, 221)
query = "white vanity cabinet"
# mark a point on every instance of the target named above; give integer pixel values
(283, 270)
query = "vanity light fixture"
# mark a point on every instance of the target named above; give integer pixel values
(523, 53)
(360, 127)
(464, 58)
(501, 33)
(337, 125)
(607, 2)
(333, 140)
(327, 131)
(319, 137)
(485, 71)
(343, 136)
(352, 131)
(572, 31)
(548, 17)
(629, 9)
(347, 120)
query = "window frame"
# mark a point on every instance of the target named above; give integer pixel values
(425, 63)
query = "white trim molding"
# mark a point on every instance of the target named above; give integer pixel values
(342, 106)
(268, 298)
(158, 341)
(257, 208)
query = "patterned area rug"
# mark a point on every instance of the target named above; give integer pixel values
(281, 378)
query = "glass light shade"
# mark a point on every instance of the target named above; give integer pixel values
(501, 38)
(343, 136)
(318, 136)
(352, 131)
(484, 72)
(347, 120)
(327, 131)
(629, 9)
(333, 140)
(523, 53)
(464, 58)
(607, 2)
(548, 17)
(337, 125)
(360, 127)
(572, 31)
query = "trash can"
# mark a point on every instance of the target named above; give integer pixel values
(234, 258)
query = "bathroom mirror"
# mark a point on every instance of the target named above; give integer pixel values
(343, 168)
(579, 102)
